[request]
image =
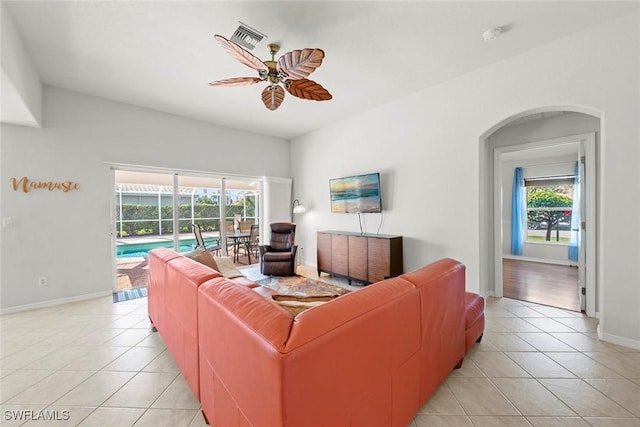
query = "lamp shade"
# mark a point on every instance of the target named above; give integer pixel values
(297, 207)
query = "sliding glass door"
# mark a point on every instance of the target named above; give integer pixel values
(242, 207)
(199, 202)
(143, 221)
(156, 209)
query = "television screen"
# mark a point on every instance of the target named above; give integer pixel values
(355, 194)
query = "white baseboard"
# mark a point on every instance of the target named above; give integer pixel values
(53, 302)
(615, 339)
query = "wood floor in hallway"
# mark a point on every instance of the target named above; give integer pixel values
(548, 284)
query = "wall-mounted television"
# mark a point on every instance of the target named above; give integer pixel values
(356, 194)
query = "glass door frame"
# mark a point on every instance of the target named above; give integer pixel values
(176, 174)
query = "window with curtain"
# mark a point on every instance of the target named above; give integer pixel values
(575, 217)
(518, 212)
(549, 208)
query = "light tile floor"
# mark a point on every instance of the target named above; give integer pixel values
(96, 363)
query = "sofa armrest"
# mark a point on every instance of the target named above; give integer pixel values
(442, 295)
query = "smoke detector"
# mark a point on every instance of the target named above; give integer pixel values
(246, 36)
(492, 33)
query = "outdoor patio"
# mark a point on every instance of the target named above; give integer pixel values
(133, 271)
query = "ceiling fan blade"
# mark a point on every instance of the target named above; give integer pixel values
(299, 64)
(237, 81)
(242, 55)
(272, 96)
(307, 89)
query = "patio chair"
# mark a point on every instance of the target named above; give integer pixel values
(254, 240)
(245, 226)
(215, 248)
(250, 245)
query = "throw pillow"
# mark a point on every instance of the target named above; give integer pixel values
(226, 267)
(206, 258)
(194, 252)
(297, 307)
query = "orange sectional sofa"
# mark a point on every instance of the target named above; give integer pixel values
(371, 357)
(473, 319)
(172, 306)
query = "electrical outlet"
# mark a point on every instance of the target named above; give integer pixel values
(42, 281)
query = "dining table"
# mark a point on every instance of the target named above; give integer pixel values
(239, 238)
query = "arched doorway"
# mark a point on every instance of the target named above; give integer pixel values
(555, 130)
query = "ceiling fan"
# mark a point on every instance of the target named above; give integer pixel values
(289, 71)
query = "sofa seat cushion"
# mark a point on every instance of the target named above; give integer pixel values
(474, 308)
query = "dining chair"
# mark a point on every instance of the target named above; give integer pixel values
(245, 226)
(200, 241)
(249, 246)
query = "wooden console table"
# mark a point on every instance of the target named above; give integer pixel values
(367, 258)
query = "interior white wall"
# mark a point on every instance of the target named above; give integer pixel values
(427, 148)
(21, 101)
(277, 206)
(66, 236)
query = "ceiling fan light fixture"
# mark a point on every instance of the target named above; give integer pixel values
(290, 70)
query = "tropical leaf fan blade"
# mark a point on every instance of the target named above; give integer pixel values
(298, 64)
(308, 89)
(272, 96)
(241, 55)
(237, 81)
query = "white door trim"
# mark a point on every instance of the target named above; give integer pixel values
(588, 141)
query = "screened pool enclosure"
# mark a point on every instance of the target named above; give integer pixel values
(157, 209)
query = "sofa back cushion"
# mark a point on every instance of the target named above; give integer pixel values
(360, 347)
(254, 312)
(346, 308)
(240, 333)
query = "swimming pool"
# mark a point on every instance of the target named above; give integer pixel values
(142, 249)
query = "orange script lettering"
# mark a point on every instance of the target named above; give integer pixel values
(25, 185)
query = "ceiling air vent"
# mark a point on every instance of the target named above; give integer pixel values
(246, 36)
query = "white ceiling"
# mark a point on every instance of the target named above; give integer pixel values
(162, 54)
